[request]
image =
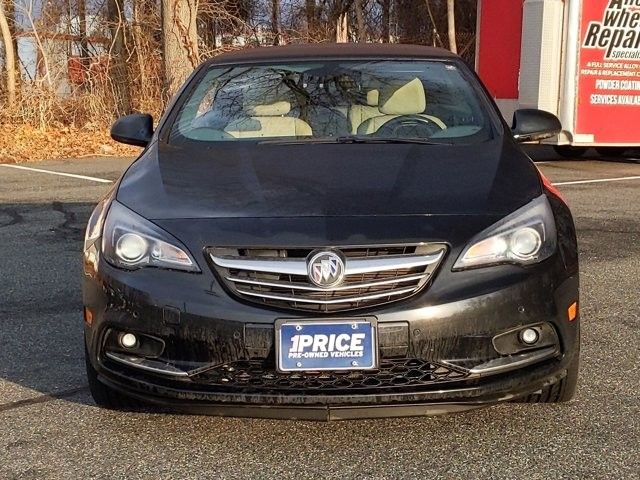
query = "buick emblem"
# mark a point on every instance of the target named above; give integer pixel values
(325, 269)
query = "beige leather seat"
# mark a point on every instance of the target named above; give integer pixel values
(361, 113)
(268, 121)
(409, 99)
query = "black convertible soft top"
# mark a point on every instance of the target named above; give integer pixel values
(324, 50)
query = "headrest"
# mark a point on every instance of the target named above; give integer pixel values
(276, 109)
(373, 97)
(409, 99)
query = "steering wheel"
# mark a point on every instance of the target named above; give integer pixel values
(408, 126)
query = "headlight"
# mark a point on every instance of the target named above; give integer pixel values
(526, 236)
(130, 241)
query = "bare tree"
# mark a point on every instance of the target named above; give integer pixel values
(275, 21)
(136, 34)
(451, 22)
(10, 60)
(118, 62)
(82, 31)
(362, 29)
(10, 14)
(310, 13)
(385, 6)
(179, 42)
(27, 11)
(342, 28)
(435, 33)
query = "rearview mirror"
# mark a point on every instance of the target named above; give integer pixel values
(135, 129)
(531, 124)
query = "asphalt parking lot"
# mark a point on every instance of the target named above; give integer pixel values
(50, 428)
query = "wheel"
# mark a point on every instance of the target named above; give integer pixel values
(567, 151)
(107, 397)
(560, 392)
(611, 151)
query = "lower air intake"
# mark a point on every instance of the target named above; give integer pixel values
(393, 374)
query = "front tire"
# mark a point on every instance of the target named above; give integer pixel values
(559, 392)
(104, 396)
(611, 151)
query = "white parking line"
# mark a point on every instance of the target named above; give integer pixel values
(104, 180)
(62, 174)
(599, 180)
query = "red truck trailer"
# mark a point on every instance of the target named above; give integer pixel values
(578, 59)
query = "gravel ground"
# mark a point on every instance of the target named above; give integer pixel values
(50, 428)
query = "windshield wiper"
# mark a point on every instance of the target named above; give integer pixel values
(298, 141)
(350, 139)
(361, 139)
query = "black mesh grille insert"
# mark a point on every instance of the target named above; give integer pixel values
(392, 375)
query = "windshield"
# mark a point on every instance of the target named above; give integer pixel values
(332, 100)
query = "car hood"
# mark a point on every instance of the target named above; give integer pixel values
(245, 180)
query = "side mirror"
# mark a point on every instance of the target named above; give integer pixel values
(135, 129)
(530, 125)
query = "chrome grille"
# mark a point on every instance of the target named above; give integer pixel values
(373, 276)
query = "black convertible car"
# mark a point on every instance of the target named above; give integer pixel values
(328, 232)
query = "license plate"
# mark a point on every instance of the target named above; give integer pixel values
(326, 345)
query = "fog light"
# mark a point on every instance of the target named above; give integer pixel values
(128, 340)
(529, 336)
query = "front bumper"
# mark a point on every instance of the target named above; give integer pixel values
(334, 407)
(450, 325)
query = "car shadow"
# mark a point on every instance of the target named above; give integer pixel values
(41, 351)
(546, 153)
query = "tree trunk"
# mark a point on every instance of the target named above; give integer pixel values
(410, 21)
(10, 59)
(275, 21)
(435, 35)
(362, 28)
(10, 14)
(179, 42)
(451, 21)
(118, 61)
(342, 28)
(385, 5)
(310, 12)
(137, 41)
(84, 43)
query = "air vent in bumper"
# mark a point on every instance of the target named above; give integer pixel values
(393, 374)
